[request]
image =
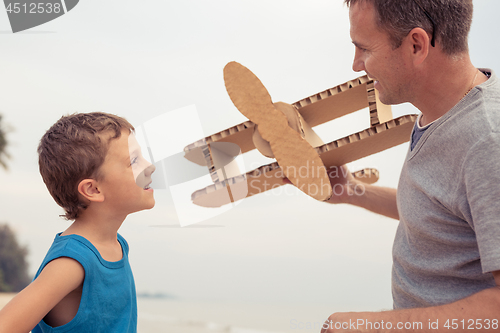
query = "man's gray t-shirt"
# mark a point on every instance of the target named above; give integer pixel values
(448, 239)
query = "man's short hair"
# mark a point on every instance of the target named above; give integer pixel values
(453, 19)
(73, 149)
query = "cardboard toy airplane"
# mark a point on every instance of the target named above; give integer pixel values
(284, 132)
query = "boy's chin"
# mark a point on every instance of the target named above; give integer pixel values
(147, 206)
(151, 204)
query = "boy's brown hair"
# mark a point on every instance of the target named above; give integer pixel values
(73, 149)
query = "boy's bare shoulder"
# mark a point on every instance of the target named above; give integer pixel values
(58, 278)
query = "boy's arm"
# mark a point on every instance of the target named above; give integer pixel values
(58, 278)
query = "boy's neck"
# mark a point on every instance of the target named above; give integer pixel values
(96, 227)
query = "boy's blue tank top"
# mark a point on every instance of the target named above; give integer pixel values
(108, 302)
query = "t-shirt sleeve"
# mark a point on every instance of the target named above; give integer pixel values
(481, 174)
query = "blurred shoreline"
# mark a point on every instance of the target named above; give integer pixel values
(187, 316)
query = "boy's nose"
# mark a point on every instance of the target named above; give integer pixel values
(149, 170)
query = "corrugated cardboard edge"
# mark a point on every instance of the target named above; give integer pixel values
(292, 152)
(379, 112)
(335, 102)
(257, 181)
(240, 134)
(336, 153)
(349, 97)
(295, 121)
(370, 141)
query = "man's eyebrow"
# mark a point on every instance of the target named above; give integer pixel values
(358, 45)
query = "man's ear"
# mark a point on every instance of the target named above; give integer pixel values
(89, 189)
(420, 43)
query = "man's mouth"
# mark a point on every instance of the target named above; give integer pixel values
(371, 77)
(147, 187)
(375, 81)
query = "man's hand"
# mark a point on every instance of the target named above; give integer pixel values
(350, 322)
(347, 189)
(343, 183)
(477, 313)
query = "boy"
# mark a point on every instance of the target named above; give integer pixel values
(93, 168)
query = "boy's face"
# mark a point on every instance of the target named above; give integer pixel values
(126, 176)
(141, 167)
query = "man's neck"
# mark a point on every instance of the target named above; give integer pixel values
(444, 84)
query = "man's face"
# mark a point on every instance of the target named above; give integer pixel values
(375, 55)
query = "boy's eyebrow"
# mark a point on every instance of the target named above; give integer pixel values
(135, 151)
(132, 154)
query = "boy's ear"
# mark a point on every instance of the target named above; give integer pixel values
(89, 189)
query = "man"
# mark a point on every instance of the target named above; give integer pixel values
(446, 271)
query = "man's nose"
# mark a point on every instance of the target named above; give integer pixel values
(358, 64)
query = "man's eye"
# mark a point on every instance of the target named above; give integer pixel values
(133, 161)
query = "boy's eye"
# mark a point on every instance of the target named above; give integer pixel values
(133, 161)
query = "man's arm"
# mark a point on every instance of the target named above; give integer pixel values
(347, 189)
(377, 199)
(58, 279)
(479, 313)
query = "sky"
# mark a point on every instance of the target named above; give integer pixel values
(142, 60)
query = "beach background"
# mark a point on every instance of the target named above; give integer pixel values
(267, 263)
(170, 315)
